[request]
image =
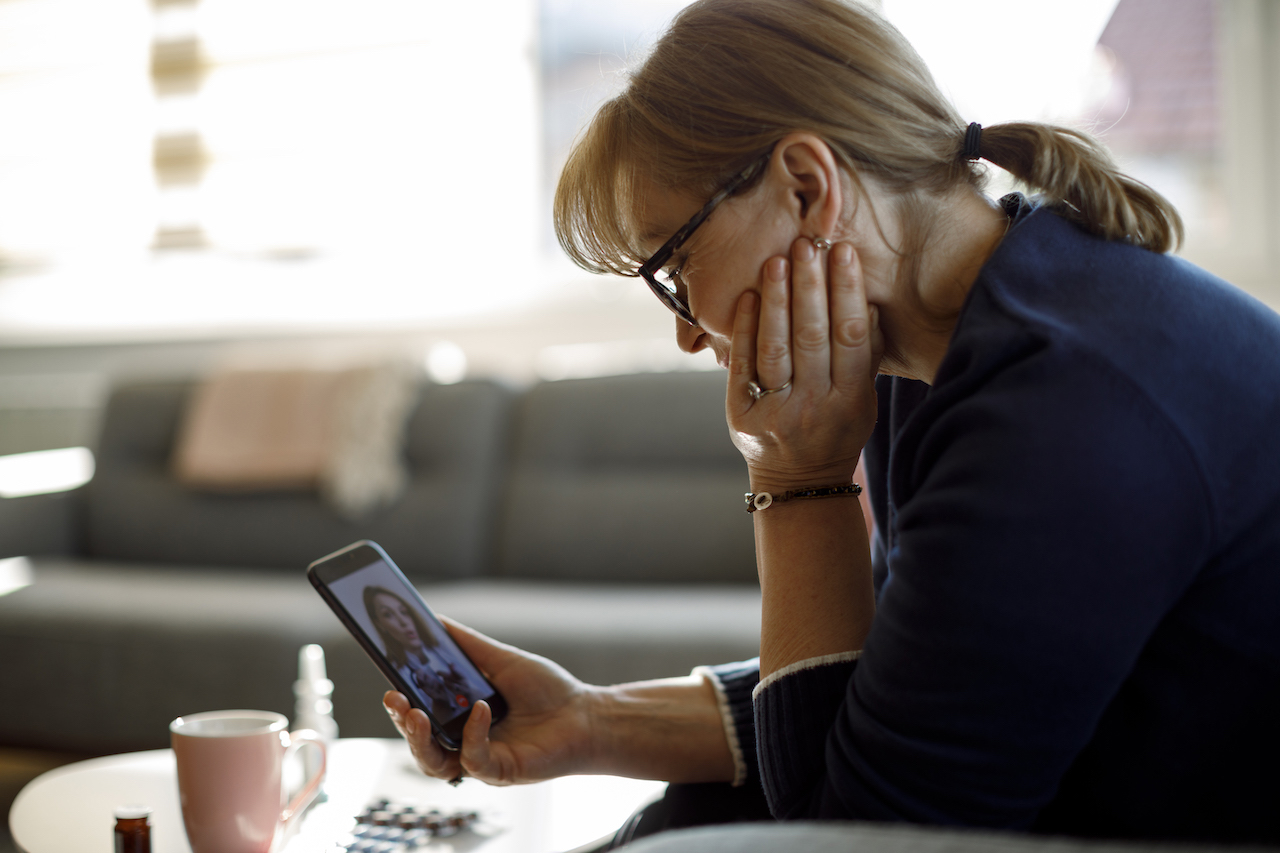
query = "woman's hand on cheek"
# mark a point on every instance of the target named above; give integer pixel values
(810, 324)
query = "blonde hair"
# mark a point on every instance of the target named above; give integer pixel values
(730, 78)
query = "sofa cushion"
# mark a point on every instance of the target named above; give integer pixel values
(632, 478)
(440, 527)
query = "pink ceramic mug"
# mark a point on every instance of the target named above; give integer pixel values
(230, 778)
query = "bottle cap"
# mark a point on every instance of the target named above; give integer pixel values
(311, 663)
(133, 812)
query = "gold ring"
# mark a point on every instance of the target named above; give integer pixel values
(756, 392)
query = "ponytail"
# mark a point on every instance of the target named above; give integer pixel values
(1077, 175)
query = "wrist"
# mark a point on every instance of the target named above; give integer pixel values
(669, 729)
(779, 482)
(598, 706)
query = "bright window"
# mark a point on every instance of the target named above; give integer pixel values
(365, 163)
(346, 162)
(42, 471)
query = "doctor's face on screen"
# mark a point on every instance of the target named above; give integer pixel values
(396, 621)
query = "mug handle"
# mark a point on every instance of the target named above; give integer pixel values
(297, 740)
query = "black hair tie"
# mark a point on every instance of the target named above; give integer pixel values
(972, 142)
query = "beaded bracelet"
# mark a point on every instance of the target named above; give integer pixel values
(763, 500)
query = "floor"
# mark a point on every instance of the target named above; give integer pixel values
(17, 768)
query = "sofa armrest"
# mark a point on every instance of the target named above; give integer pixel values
(41, 524)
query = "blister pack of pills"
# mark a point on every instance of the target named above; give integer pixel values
(391, 827)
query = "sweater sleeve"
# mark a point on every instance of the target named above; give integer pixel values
(733, 684)
(1043, 531)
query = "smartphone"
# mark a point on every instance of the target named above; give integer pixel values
(382, 610)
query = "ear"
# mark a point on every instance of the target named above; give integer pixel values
(805, 174)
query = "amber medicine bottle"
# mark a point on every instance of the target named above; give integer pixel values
(133, 829)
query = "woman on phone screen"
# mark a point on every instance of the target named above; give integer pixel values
(414, 651)
(1069, 618)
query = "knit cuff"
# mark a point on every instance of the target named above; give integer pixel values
(801, 666)
(733, 683)
(795, 708)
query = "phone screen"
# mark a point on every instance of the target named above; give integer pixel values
(380, 603)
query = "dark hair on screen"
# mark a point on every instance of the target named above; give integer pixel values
(396, 652)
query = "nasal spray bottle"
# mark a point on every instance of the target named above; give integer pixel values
(313, 709)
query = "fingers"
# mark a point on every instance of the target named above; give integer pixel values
(813, 326)
(853, 356)
(476, 754)
(810, 337)
(877, 340)
(773, 341)
(742, 352)
(415, 727)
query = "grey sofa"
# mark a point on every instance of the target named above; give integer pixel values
(597, 522)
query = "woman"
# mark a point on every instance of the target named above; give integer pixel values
(413, 649)
(1068, 620)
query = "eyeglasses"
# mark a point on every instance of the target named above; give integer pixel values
(668, 286)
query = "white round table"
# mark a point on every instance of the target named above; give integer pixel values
(69, 810)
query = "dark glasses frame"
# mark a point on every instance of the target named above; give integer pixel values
(649, 269)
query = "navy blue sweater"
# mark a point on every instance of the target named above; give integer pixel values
(1078, 567)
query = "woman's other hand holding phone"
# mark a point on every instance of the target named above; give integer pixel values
(670, 729)
(545, 734)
